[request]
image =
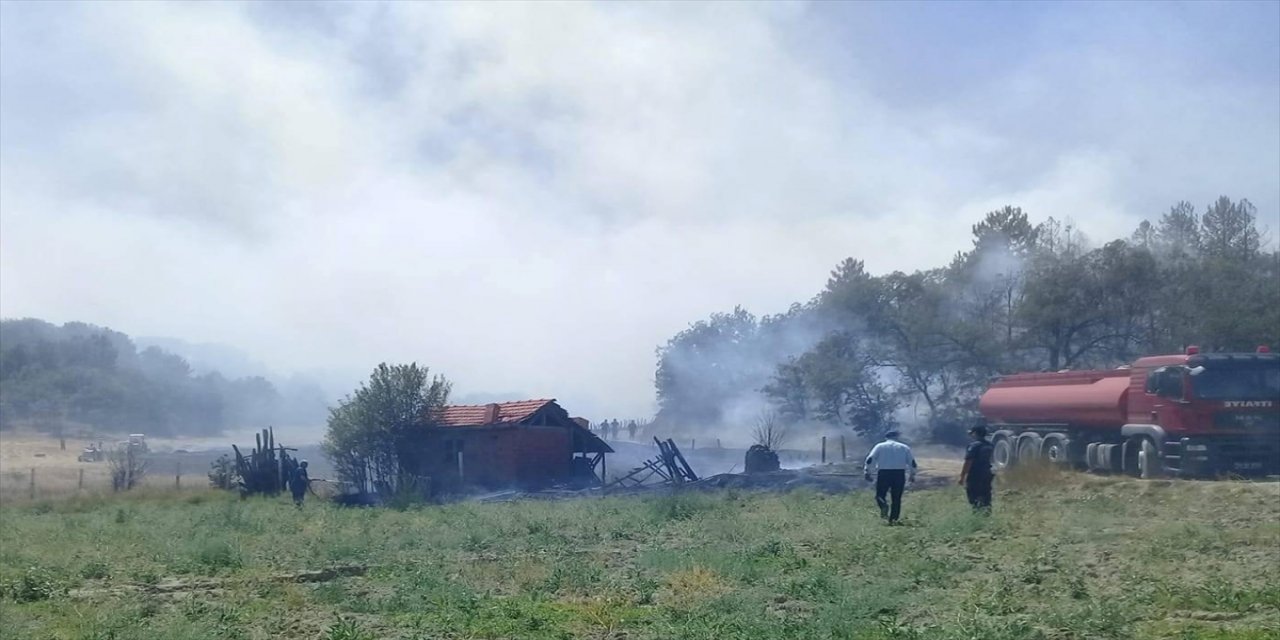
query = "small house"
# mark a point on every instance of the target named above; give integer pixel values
(528, 444)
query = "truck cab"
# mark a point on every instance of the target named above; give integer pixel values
(1209, 413)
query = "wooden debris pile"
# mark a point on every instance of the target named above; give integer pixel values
(669, 465)
(267, 469)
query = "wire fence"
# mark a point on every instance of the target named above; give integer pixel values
(38, 483)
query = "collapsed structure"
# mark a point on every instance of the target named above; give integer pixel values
(530, 444)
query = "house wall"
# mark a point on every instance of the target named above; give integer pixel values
(545, 455)
(498, 457)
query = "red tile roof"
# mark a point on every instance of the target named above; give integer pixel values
(470, 415)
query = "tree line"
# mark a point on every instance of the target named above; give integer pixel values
(871, 351)
(85, 377)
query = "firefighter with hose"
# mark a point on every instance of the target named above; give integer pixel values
(298, 483)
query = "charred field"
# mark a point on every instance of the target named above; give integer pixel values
(1063, 556)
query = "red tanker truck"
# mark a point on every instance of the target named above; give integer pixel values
(1195, 414)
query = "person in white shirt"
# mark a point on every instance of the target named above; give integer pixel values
(894, 464)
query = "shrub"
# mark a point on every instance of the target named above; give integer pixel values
(223, 474)
(31, 585)
(347, 629)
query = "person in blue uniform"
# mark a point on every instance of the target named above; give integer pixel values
(298, 483)
(976, 476)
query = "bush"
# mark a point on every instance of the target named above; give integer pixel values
(223, 474)
(128, 468)
(31, 585)
(347, 629)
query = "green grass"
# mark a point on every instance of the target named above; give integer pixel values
(1062, 557)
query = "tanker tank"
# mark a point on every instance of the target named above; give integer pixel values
(1078, 398)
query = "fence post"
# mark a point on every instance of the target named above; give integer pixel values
(824, 449)
(80, 484)
(842, 456)
(33, 483)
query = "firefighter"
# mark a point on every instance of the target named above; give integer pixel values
(298, 483)
(894, 465)
(976, 475)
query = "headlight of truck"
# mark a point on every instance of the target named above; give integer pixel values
(1197, 447)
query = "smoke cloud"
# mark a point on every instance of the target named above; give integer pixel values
(532, 197)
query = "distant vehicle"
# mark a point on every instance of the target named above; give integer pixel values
(92, 453)
(137, 444)
(1193, 414)
(138, 441)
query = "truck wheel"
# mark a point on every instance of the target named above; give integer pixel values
(1054, 449)
(1129, 458)
(1149, 464)
(1002, 454)
(1028, 448)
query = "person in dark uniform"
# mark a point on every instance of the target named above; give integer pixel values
(894, 464)
(976, 475)
(298, 483)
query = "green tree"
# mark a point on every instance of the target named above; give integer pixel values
(836, 382)
(375, 436)
(705, 367)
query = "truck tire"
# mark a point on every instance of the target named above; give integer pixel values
(1056, 450)
(1129, 457)
(1149, 464)
(1028, 448)
(1002, 454)
(1110, 458)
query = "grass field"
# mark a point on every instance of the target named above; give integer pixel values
(1062, 557)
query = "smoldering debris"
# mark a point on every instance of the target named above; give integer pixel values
(828, 479)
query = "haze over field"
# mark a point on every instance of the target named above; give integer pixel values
(531, 198)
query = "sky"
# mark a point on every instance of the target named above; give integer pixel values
(531, 198)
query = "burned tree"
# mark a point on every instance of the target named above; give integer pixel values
(769, 433)
(267, 468)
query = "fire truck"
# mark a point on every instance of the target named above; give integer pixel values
(1191, 414)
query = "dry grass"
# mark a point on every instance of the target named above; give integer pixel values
(58, 474)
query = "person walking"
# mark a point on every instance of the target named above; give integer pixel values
(298, 483)
(894, 465)
(631, 430)
(976, 475)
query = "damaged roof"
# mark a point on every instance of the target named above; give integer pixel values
(470, 415)
(521, 412)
